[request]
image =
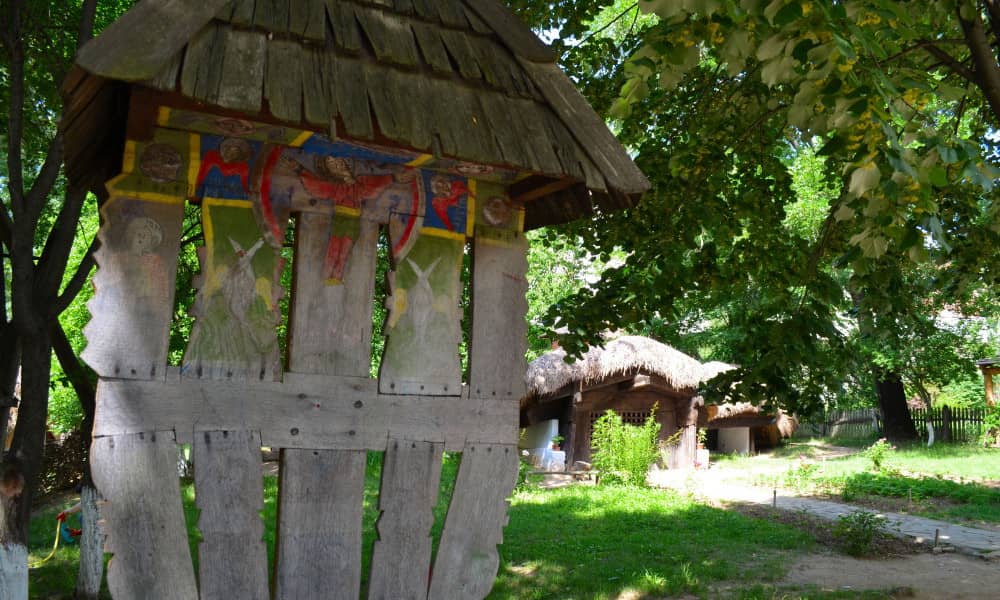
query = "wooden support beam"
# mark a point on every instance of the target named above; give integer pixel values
(304, 411)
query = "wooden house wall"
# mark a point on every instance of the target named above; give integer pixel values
(595, 402)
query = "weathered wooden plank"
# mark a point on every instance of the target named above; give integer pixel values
(478, 25)
(413, 91)
(319, 541)
(352, 100)
(232, 559)
(461, 51)
(239, 289)
(319, 105)
(200, 73)
(588, 128)
(452, 13)
(142, 516)
(330, 331)
(562, 143)
(447, 128)
(307, 18)
(91, 574)
(507, 138)
(467, 558)
(555, 152)
(403, 6)
(304, 411)
(242, 81)
(391, 102)
(427, 9)
(346, 33)
(338, 338)
(515, 34)
(424, 325)
(170, 23)
(243, 12)
(432, 48)
(137, 264)
(283, 87)
(401, 558)
(476, 142)
(272, 15)
(166, 79)
(499, 285)
(390, 36)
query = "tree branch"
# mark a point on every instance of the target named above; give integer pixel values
(52, 264)
(993, 9)
(34, 202)
(951, 62)
(86, 31)
(76, 282)
(6, 227)
(15, 117)
(987, 73)
(73, 368)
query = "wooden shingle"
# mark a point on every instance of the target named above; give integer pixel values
(460, 79)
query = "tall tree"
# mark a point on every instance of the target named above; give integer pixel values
(714, 95)
(38, 223)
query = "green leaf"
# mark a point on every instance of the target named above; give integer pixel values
(938, 176)
(771, 47)
(864, 178)
(789, 13)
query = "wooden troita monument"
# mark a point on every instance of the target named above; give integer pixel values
(300, 137)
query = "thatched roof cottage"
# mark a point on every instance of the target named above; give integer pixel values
(630, 375)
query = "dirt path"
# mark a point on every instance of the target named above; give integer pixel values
(921, 576)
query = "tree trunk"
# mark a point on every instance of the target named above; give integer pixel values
(21, 465)
(897, 423)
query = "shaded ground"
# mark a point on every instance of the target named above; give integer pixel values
(902, 568)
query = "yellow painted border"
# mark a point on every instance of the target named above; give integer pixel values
(442, 233)
(423, 159)
(128, 156)
(470, 208)
(194, 162)
(113, 190)
(302, 138)
(163, 116)
(346, 210)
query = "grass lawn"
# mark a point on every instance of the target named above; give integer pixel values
(950, 482)
(576, 542)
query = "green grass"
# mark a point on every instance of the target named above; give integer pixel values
(575, 542)
(598, 542)
(944, 481)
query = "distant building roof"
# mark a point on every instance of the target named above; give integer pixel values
(461, 79)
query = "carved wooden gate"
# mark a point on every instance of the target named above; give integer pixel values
(248, 378)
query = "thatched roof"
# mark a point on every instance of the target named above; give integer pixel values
(713, 368)
(744, 414)
(457, 79)
(629, 354)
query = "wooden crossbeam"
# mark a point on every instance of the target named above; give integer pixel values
(302, 411)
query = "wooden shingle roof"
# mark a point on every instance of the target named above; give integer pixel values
(460, 79)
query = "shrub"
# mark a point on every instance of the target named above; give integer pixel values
(878, 452)
(622, 452)
(857, 531)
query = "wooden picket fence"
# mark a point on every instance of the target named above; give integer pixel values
(950, 424)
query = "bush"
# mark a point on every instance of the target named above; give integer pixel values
(857, 531)
(622, 452)
(878, 452)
